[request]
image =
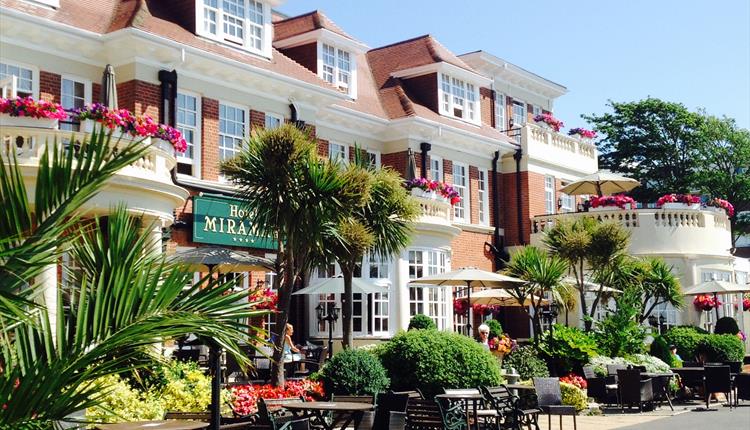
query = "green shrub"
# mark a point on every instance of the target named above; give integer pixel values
(600, 362)
(121, 402)
(431, 360)
(660, 348)
(726, 325)
(496, 330)
(422, 322)
(652, 364)
(354, 372)
(570, 348)
(716, 348)
(573, 396)
(526, 361)
(686, 339)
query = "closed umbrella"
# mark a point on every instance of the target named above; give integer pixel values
(600, 183)
(109, 87)
(335, 285)
(411, 166)
(470, 277)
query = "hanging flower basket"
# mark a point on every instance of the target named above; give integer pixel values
(746, 304)
(433, 189)
(705, 302)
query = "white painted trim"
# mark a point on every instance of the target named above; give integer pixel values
(198, 144)
(485, 204)
(273, 115)
(498, 66)
(346, 151)
(244, 43)
(352, 93)
(245, 131)
(441, 169)
(378, 157)
(34, 74)
(443, 67)
(322, 35)
(466, 200)
(465, 107)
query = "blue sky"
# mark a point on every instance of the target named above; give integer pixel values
(691, 51)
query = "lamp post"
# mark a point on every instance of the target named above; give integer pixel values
(662, 320)
(550, 316)
(329, 314)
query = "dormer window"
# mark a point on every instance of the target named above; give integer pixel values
(336, 67)
(242, 23)
(458, 98)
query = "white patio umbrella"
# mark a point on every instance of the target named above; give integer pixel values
(600, 183)
(589, 285)
(335, 285)
(469, 277)
(501, 297)
(223, 260)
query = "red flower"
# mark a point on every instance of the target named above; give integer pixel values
(705, 302)
(746, 304)
(245, 397)
(688, 199)
(574, 379)
(618, 200)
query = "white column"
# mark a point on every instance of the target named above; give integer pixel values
(401, 314)
(47, 281)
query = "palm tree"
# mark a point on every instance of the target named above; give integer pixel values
(381, 226)
(589, 247)
(544, 272)
(295, 197)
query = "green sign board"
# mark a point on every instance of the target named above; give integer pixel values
(221, 221)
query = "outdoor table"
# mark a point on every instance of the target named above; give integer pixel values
(354, 409)
(155, 425)
(468, 395)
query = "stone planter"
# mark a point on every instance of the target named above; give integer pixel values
(22, 121)
(604, 208)
(675, 205)
(716, 210)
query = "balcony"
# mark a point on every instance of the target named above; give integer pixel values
(436, 213)
(659, 231)
(145, 186)
(544, 144)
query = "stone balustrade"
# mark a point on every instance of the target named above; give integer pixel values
(545, 144)
(434, 208)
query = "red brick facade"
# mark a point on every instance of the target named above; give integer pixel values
(49, 86)
(468, 250)
(210, 139)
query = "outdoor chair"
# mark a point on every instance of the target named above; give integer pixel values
(549, 398)
(735, 367)
(691, 364)
(598, 388)
(423, 415)
(272, 414)
(660, 388)
(415, 394)
(313, 363)
(508, 410)
(717, 380)
(367, 419)
(453, 415)
(612, 372)
(741, 387)
(633, 390)
(385, 404)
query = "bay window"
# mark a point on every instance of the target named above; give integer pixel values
(240, 22)
(458, 98)
(430, 301)
(337, 68)
(461, 185)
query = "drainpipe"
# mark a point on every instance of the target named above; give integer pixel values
(425, 147)
(294, 116)
(517, 156)
(498, 241)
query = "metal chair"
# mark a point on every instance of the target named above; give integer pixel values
(598, 388)
(549, 398)
(717, 380)
(313, 363)
(423, 415)
(366, 419)
(508, 412)
(633, 390)
(272, 414)
(453, 415)
(385, 404)
(741, 387)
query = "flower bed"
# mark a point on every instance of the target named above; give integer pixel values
(687, 199)
(575, 380)
(722, 204)
(582, 132)
(550, 120)
(705, 302)
(245, 397)
(440, 188)
(620, 201)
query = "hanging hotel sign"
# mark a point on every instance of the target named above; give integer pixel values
(222, 221)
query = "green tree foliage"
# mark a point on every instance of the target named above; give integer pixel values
(544, 272)
(653, 141)
(422, 322)
(569, 349)
(726, 325)
(619, 333)
(660, 349)
(496, 329)
(432, 360)
(354, 372)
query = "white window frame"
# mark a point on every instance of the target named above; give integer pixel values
(335, 79)
(536, 110)
(483, 196)
(436, 166)
(501, 122)
(550, 205)
(87, 87)
(273, 116)
(197, 136)
(458, 95)
(246, 117)
(331, 145)
(50, 3)
(376, 158)
(463, 207)
(34, 75)
(430, 301)
(518, 121)
(249, 27)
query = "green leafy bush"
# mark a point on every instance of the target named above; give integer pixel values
(121, 402)
(431, 360)
(354, 372)
(726, 325)
(496, 330)
(686, 339)
(422, 322)
(716, 348)
(527, 363)
(619, 333)
(600, 363)
(660, 348)
(573, 396)
(570, 348)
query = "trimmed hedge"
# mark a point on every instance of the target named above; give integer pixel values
(727, 325)
(686, 339)
(718, 348)
(354, 372)
(431, 360)
(527, 363)
(422, 322)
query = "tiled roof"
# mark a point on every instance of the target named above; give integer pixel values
(417, 52)
(306, 23)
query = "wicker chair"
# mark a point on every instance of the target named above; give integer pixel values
(742, 387)
(633, 390)
(549, 398)
(717, 380)
(386, 403)
(598, 388)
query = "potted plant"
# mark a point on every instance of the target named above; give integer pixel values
(27, 112)
(604, 203)
(679, 201)
(582, 133)
(720, 205)
(502, 346)
(549, 120)
(426, 188)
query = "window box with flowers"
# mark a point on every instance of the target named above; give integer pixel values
(582, 133)
(433, 190)
(720, 205)
(679, 201)
(27, 112)
(549, 120)
(606, 203)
